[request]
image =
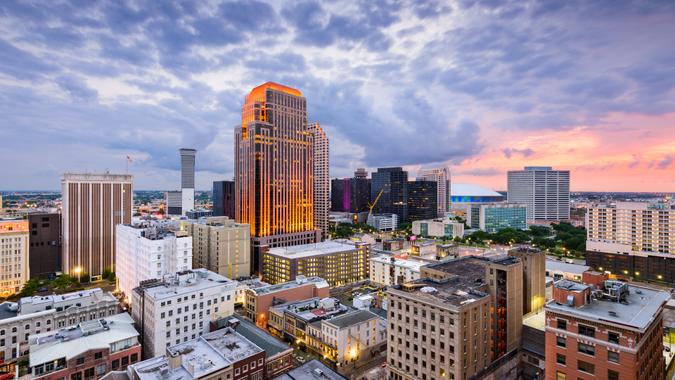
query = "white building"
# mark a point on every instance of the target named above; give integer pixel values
(438, 228)
(187, 179)
(545, 192)
(149, 250)
(389, 270)
(383, 222)
(635, 228)
(321, 178)
(14, 251)
(354, 335)
(39, 314)
(180, 307)
(560, 270)
(442, 178)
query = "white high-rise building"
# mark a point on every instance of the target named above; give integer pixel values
(633, 228)
(321, 178)
(187, 179)
(180, 307)
(442, 178)
(545, 192)
(146, 251)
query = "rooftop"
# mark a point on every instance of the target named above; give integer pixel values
(351, 318)
(561, 266)
(299, 281)
(188, 281)
(408, 263)
(75, 340)
(260, 338)
(637, 311)
(468, 189)
(315, 249)
(313, 308)
(312, 370)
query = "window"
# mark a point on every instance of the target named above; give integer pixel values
(586, 349)
(561, 341)
(79, 361)
(125, 360)
(101, 369)
(98, 355)
(560, 376)
(115, 364)
(587, 330)
(562, 324)
(613, 337)
(560, 359)
(134, 358)
(612, 375)
(613, 356)
(585, 367)
(89, 373)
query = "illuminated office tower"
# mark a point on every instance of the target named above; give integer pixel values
(442, 178)
(14, 269)
(187, 179)
(92, 205)
(321, 179)
(274, 169)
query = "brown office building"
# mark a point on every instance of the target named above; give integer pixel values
(92, 205)
(534, 277)
(274, 169)
(604, 329)
(45, 244)
(454, 321)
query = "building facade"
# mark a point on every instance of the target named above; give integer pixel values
(422, 200)
(148, 251)
(383, 222)
(544, 191)
(187, 179)
(494, 217)
(534, 277)
(45, 244)
(350, 194)
(389, 270)
(321, 178)
(93, 204)
(223, 198)
(14, 269)
(87, 350)
(339, 262)
(438, 228)
(174, 201)
(274, 169)
(180, 307)
(390, 187)
(221, 245)
(604, 329)
(442, 178)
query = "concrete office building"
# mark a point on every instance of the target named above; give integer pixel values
(274, 169)
(494, 217)
(39, 314)
(259, 300)
(14, 269)
(93, 204)
(422, 198)
(438, 228)
(223, 198)
(221, 245)
(87, 350)
(545, 192)
(148, 251)
(180, 307)
(339, 262)
(383, 222)
(632, 239)
(389, 270)
(391, 185)
(45, 244)
(321, 178)
(174, 201)
(187, 179)
(442, 178)
(534, 277)
(604, 329)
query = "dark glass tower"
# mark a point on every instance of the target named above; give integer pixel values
(223, 198)
(393, 185)
(422, 200)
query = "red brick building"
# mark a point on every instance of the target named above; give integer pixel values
(604, 329)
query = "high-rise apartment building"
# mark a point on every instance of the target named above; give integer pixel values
(390, 187)
(321, 178)
(147, 251)
(339, 262)
(545, 192)
(174, 201)
(442, 178)
(45, 243)
(187, 179)
(180, 307)
(223, 198)
(632, 239)
(604, 329)
(274, 169)
(92, 205)
(220, 245)
(14, 269)
(422, 198)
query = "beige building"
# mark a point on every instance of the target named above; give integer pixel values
(442, 178)
(220, 245)
(354, 336)
(534, 277)
(442, 227)
(92, 205)
(391, 270)
(14, 252)
(321, 178)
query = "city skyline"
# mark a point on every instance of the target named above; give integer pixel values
(489, 87)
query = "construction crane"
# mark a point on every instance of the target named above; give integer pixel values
(372, 205)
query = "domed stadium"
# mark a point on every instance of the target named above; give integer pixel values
(470, 193)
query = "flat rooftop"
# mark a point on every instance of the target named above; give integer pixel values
(311, 309)
(641, 306)
(352, 318)
(312, 370)
(327, 247)
(561, 266)
(184, 282)
(271, 345)
(299, 281)
(408, 263)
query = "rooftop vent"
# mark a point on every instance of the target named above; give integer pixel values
(428, 289)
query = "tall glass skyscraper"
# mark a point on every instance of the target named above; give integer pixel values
(393, 185)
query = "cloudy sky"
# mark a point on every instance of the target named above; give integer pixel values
(479, 86)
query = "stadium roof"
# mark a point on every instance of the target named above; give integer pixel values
(468, 189)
